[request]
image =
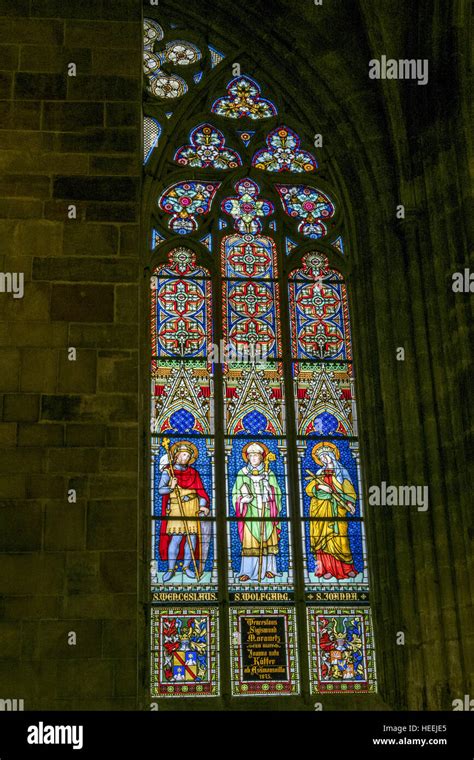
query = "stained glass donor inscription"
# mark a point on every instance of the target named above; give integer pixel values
(250, 338)
(264, 651)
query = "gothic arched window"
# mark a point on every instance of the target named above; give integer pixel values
(259, 581)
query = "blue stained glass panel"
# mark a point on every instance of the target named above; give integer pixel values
(181, 322)
(324, 395)
(251, 318)
(320, 320)
(266, 463)
(335, 555)
(332, 463)
(251, 565)
(252, 256)
(201, 462)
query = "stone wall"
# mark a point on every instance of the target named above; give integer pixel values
(69, 141)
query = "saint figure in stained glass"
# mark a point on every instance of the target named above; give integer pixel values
(257, 500)
(184, 500)
(332, 496)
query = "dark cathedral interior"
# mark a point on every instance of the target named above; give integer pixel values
(305, 161)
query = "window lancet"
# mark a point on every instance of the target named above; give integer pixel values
(250, 340)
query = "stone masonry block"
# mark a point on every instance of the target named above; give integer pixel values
(52, 642)
(49, 59)
(21, 526)
(32, 573)
(117, 374)
(72, 117)
(40, 86)
(31, 31)
(41, 434)
(119, 571)
(111, 524)
(90, 240)
(39, 370)
(78, 376)
(10, 640)
(82, 303)
(96, 188)
(64, 528)
(96, 34)
(21, 407)
(78, 269)
(119, 640)
(85, 435)
(102, 88)
(55, 407)
(10, 364)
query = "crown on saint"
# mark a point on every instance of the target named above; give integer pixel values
(187, 446)
(325, 447)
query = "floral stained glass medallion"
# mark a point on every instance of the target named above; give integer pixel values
(206, 150)
(184, 202)
(244, 98)
(309, 206)
(283, 153)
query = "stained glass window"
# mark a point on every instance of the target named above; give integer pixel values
(259, 562)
